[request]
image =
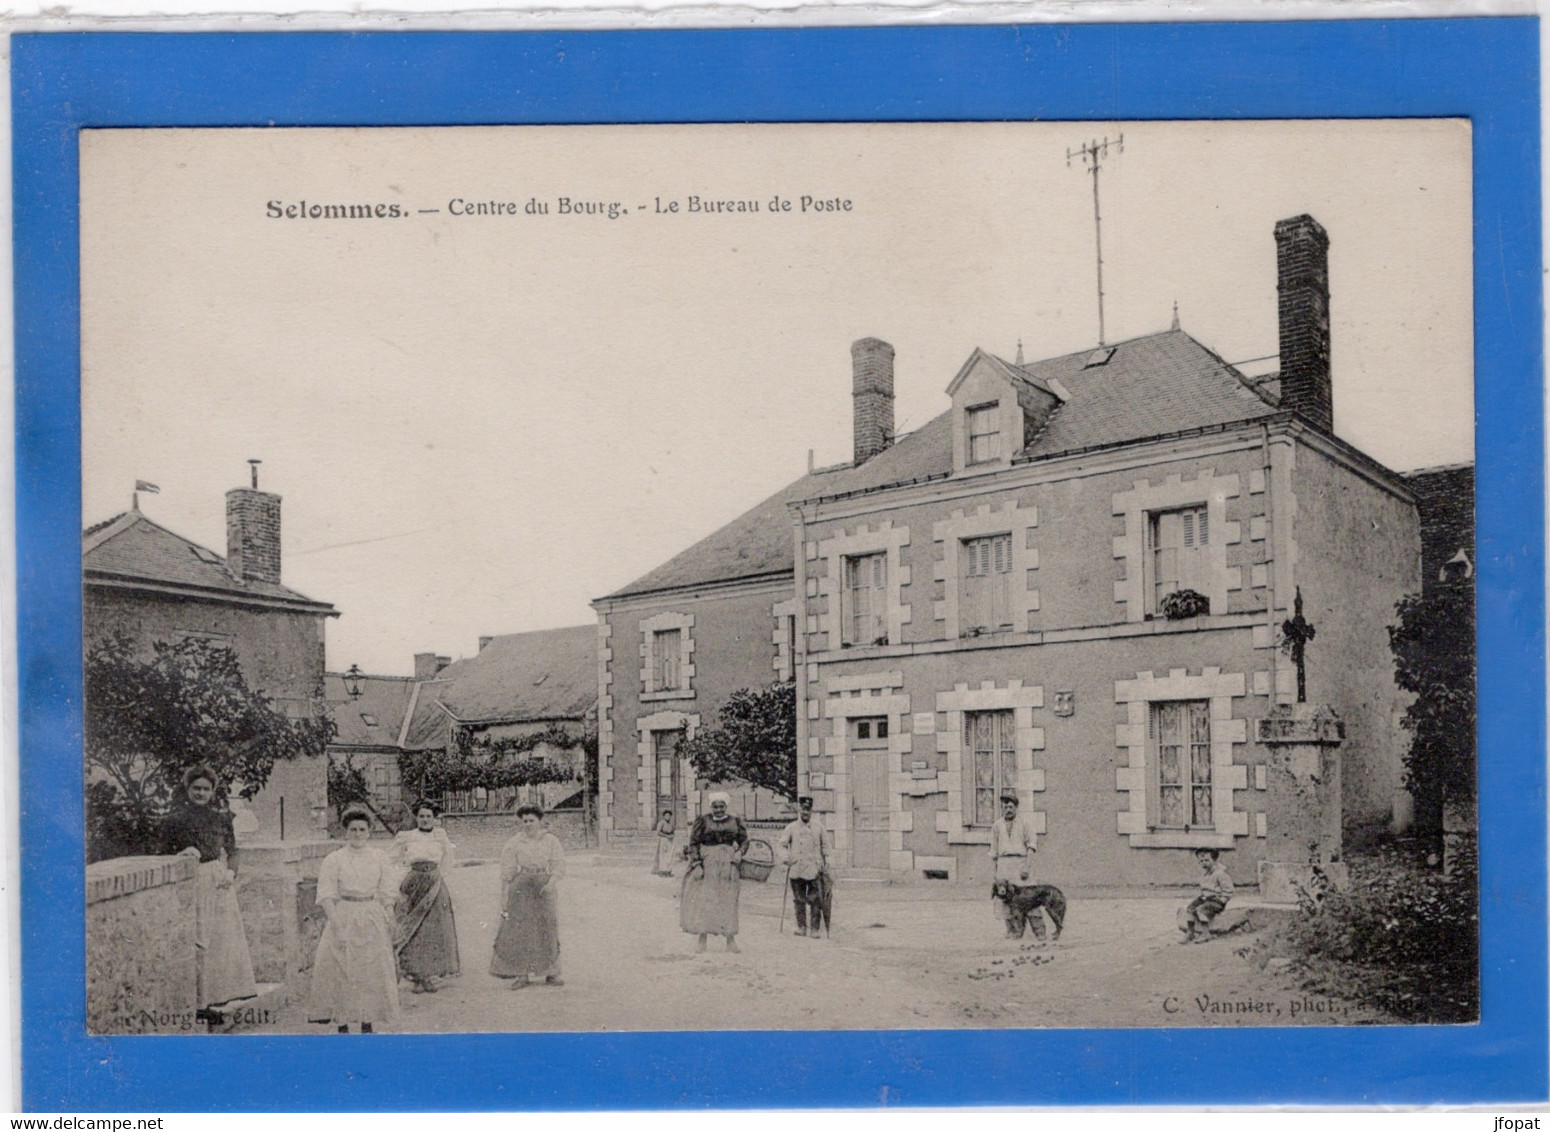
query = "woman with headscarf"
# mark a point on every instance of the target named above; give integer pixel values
(708, 905)
(223, 966)
(425, 935)
(528, 943)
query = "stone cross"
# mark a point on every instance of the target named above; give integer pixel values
(1295, 635)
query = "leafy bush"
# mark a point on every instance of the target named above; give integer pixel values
(1181, 605)
(149, 717)
(1402, 937)
(755, 743)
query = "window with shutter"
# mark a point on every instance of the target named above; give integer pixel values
(866, 580)
(985, 586)
(667, 659)
(1178, 553)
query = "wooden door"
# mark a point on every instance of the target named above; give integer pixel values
(672, 791)
(869, 793)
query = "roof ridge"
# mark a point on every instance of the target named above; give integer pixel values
(1104, 346)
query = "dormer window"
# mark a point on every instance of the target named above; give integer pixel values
(984, 434)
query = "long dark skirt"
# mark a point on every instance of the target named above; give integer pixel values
(426, 938)
(528, 942)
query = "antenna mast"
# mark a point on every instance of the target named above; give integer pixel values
(1092, 155)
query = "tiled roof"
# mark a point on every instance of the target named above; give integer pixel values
(376, 718)
(131, 548)
(1445, 501)
(758, 542)
(546, 675)
(1150, 386)
(1162, 383)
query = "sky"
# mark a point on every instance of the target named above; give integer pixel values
(480, 423)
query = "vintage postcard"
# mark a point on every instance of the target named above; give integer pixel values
(916, 575)
(630, 585)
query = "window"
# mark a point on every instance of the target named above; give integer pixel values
(1178, 553)
(869, 732)
(666, 660)
(984, 434)
(786, 648)
(985, 586)
(1180, 736)
(991, 761)
(866, 580)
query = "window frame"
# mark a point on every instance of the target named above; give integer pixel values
(987, 413)
(667, 662)
(1195, 535)
(1002, 755)
(1194, 752)
(876, 588)
(997, 552)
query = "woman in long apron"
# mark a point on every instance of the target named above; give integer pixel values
(425, 934)
(355, 976)
(708, 903)
(223, 965)
(527, 946)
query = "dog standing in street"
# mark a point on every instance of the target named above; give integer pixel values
(1023, 904)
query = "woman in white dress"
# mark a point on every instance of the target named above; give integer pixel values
(425, 935)
(355, 976)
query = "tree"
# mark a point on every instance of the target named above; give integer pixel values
(149, 720)
(1434, 658)
(755, 743)
(472, 762)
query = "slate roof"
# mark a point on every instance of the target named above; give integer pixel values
(130, 549)
(376, 719)
(550, 674)
(1150, 386)
(1445, 501)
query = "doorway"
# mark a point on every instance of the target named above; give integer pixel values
(869, 792)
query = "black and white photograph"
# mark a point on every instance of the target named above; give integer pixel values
(895, 576)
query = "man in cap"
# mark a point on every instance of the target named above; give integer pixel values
(801, 846)
(1011, 853)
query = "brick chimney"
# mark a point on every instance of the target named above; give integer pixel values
(253, 535)
(1302, 279)
(872, 369)
(428, 664)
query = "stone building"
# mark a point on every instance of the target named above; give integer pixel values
(155, 585)
(1071, 585)
(369, 732)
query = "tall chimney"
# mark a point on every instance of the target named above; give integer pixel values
(1302, 278)
(253, 535)
(872, 369)
(427, 664)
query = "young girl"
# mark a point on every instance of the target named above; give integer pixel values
(355, 976)
(666, 828)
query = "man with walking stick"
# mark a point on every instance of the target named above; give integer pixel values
(801, 847)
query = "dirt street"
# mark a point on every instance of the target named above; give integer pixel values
(912, 956)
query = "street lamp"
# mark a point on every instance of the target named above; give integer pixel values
(352, 681)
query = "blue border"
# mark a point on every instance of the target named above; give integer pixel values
(1485, 69)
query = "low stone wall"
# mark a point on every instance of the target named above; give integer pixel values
(474, 834)
(140, 973)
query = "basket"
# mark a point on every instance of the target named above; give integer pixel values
(758, 862)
